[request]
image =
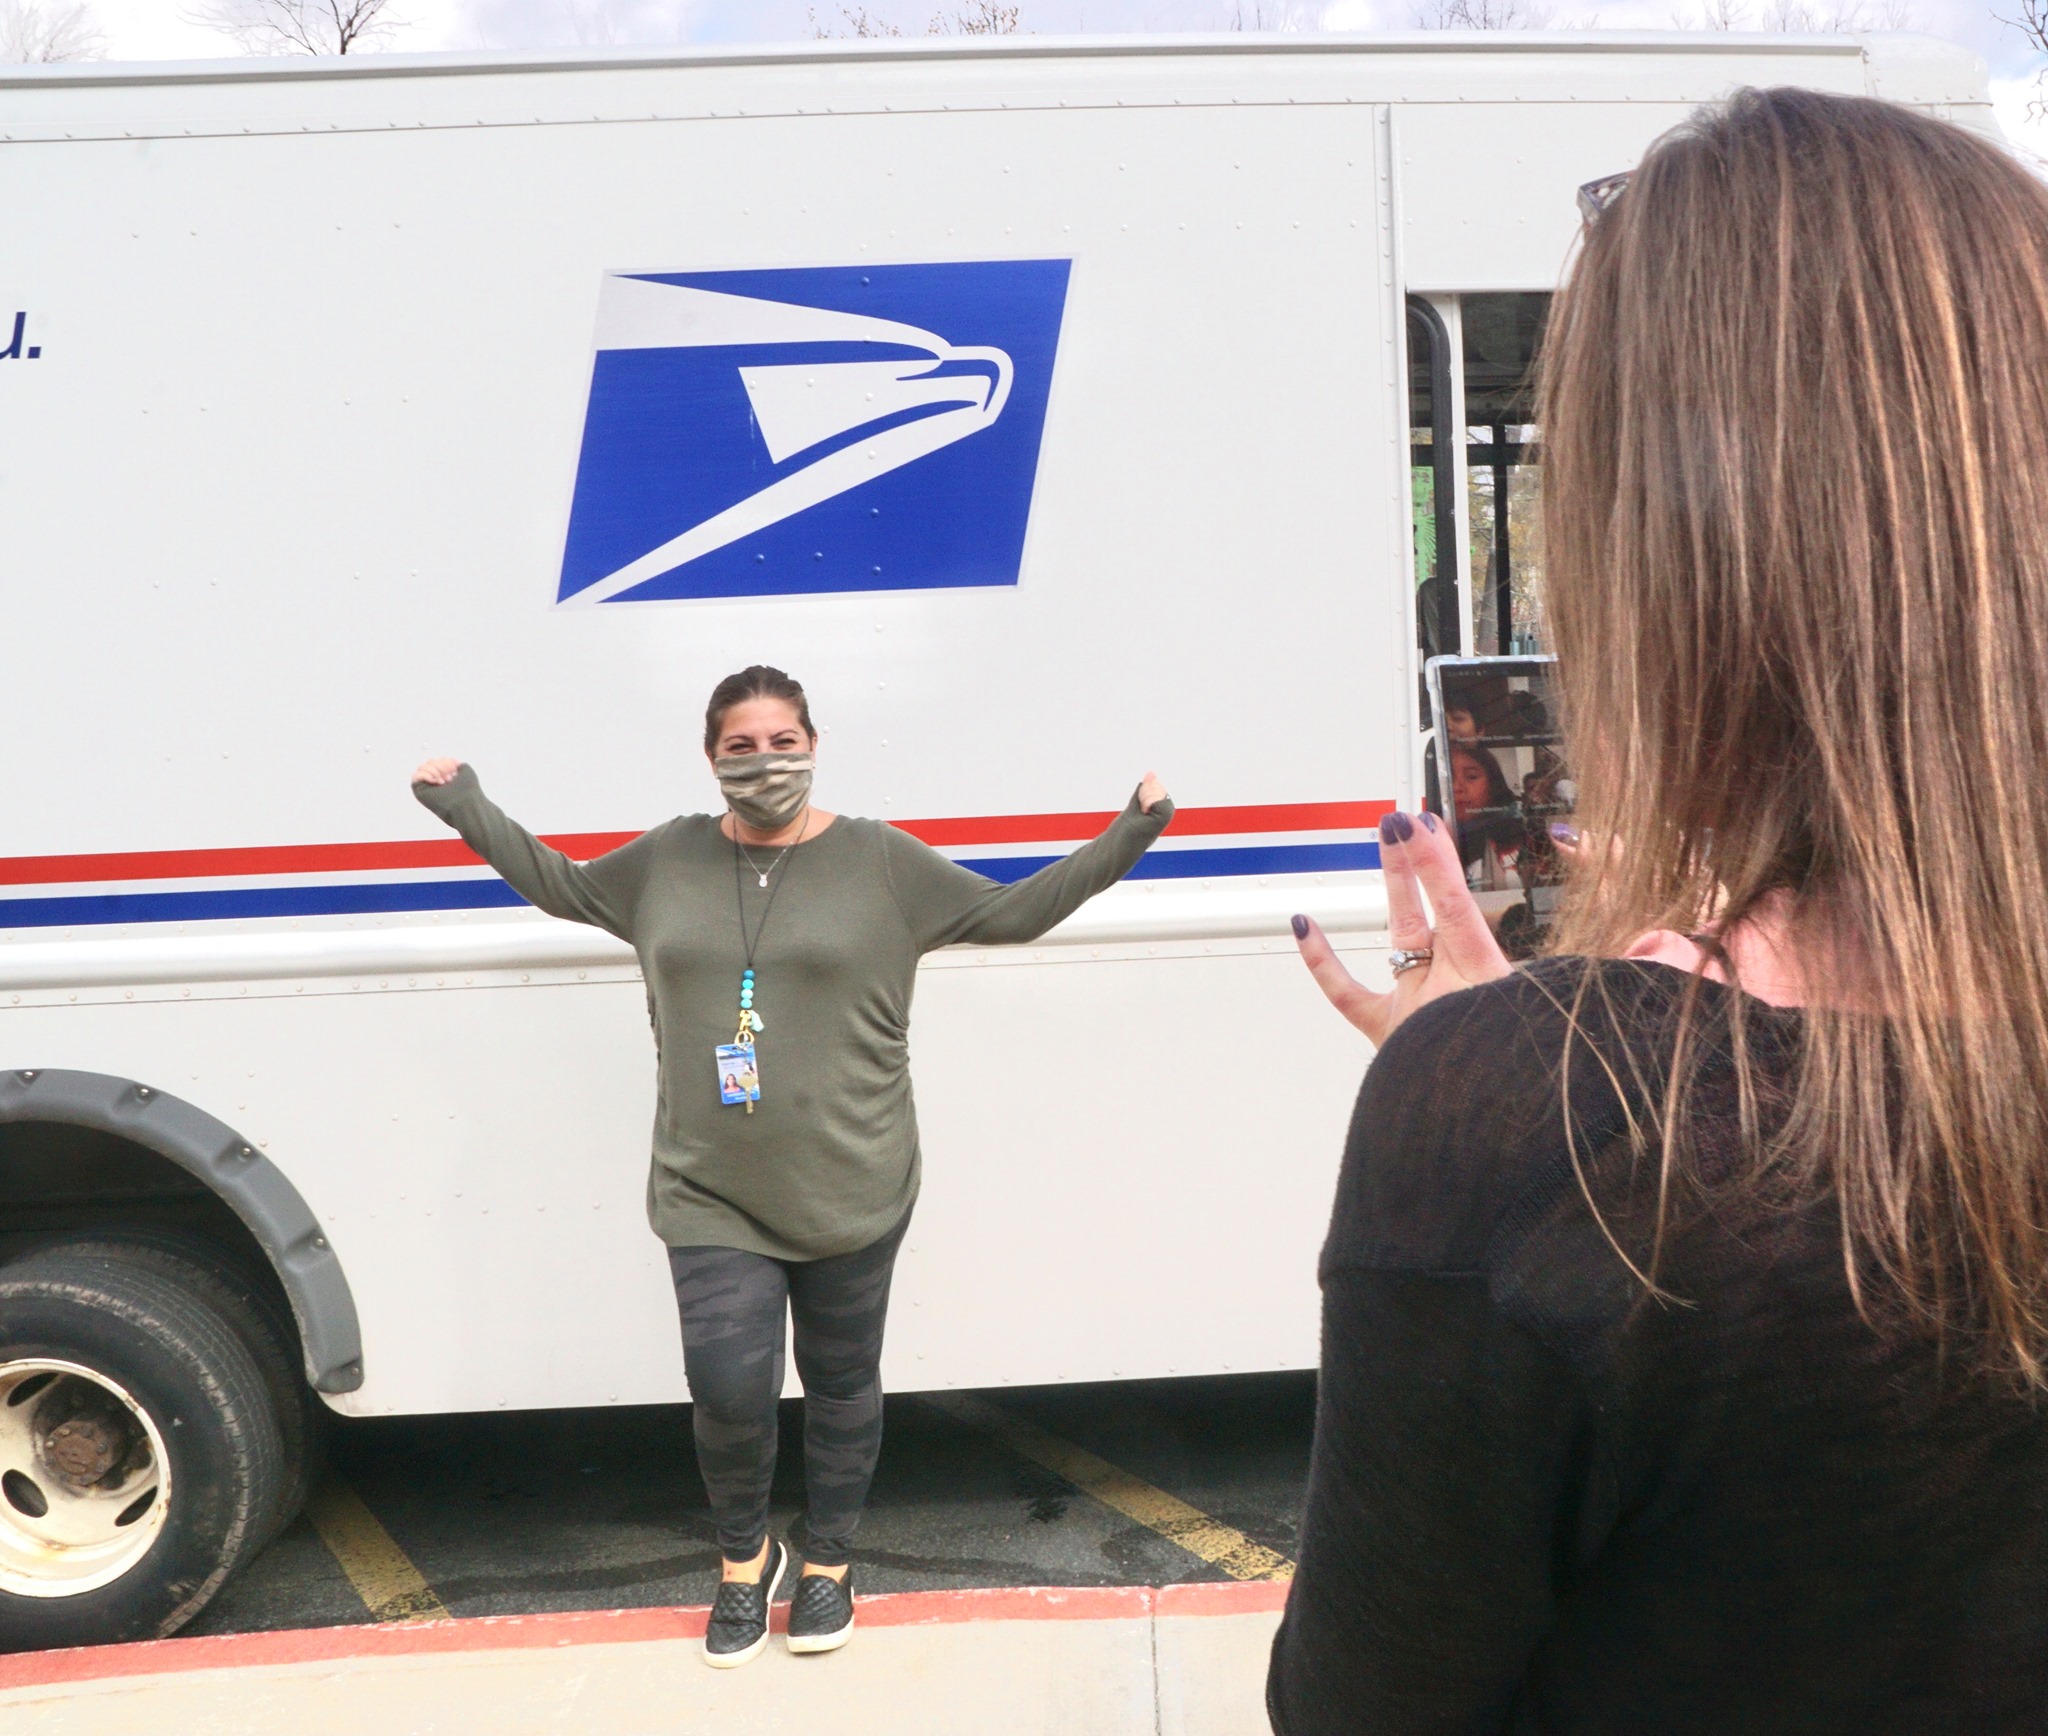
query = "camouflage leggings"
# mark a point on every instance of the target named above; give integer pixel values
(732, 1303)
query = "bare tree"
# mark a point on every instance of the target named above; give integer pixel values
(1712, 15)
(980, 18)
(299, 26)
(46, 31)
(2032, 23)
(1835, 17)
(592, 23)
(1267, 15)
(1483, 15)
(858, 23)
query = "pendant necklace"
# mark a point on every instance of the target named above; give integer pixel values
(761, 874)
(749, 1019)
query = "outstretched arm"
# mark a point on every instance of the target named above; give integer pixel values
(601, 892)
(946, 904)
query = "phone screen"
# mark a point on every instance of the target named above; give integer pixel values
(1497, 774)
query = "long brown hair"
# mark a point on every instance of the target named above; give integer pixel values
(1796, 526)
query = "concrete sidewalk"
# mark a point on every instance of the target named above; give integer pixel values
(1186, 1660)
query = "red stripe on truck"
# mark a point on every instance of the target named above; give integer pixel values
(273, 859)
(453, 853)
(1187, 823)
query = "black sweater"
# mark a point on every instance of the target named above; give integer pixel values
(1542, 1503)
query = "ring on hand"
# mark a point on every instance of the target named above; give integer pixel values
(1409, 958)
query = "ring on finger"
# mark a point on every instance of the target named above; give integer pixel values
(1410, 957)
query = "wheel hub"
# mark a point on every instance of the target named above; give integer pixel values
(84, 1480)
(82, 1450)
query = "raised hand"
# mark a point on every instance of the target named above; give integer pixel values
(1418, 857)
(1151, 792)
(436, 771)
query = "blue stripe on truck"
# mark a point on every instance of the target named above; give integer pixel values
(222, 903)
(1207, 864)
(386, 897)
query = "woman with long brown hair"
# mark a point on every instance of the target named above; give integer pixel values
(1686, 1300)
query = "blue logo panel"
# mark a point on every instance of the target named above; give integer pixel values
(858, 428)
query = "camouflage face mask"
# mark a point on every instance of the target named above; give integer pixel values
(767, 790)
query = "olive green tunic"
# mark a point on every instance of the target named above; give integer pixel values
(828, 1162)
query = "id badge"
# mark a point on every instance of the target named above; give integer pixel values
(739, 1076)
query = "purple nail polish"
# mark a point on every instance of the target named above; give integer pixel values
(1428, 819)
(1564, 831)
(1300, 926)
(1396, 828)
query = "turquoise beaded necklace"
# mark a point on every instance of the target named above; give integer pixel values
(749, 1019)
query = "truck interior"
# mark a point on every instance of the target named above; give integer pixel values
(1475, 469)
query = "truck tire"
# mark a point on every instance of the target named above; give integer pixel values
(260, 1318)
(139, 1457)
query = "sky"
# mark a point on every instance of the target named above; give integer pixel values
(163, 29)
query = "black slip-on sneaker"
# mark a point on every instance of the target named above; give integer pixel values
(738, 1629)
(821, 1613)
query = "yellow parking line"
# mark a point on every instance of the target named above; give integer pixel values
(392, 1589)
(1220, 1545)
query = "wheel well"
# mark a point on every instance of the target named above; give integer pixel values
(83, 1151)
(55, 1178)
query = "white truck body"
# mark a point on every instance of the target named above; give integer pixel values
(304, 395)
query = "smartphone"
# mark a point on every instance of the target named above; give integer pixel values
(1496, 774)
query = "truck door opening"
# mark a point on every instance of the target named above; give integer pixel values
(1475, 474)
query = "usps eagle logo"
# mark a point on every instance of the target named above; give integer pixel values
(861, 428)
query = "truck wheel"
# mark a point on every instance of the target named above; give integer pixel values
(263, 1322)
(139, 1459)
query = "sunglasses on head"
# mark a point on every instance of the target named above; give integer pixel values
(1596, 196)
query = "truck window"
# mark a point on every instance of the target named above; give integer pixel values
(1503, 479)
(1432, 485)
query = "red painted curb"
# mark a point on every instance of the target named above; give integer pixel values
(1229, 1597)
(1007, 1603)
(614, 1627)
(316, 1645)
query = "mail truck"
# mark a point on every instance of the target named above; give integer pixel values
(1053, 409)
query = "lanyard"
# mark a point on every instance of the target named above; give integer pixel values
(749, 1019)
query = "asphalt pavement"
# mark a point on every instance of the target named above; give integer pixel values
(1128, 1484)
